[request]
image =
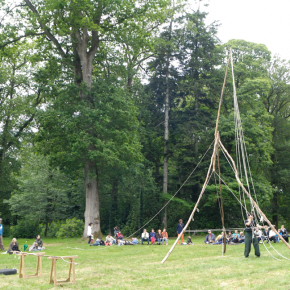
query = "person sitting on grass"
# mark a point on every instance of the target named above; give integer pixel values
(266, 233)
(258, 234)
(134, 241)
(229, 237)
(242, 238)
(145, 237)
(39, 242)
(120, 242)
(109, 240)
(120, 236)
(34, 247)
(272, 236)
(279, 236)
(164, 236)
(236, 234)
(97, 242)
(220, 241)
(159, 237)
(152, 236)
(210, 238)
(235, 240)
(284, 234)
(13, 247)
(189, 242)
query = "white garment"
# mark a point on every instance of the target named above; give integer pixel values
(145, 235)
(272, 234)
(89, 232)
(258, 233)
(109, 239)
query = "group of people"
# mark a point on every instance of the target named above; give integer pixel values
(232, 239)
(269, 235)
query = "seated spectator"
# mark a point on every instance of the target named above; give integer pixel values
(13, 247)
(109, 240)
(218, 237)
(159, 237)
(34, 247)
(266, 233)
(144, 237)
(164, 237)
(189, 242)
(258, 234)
(229, 237)
(284, 234)
(236, 234)
(119, 236)
(120, 242)
(39, 242)
(235, 240)
(134, 241)
(210, 238)
(152, 236)
(220, 241)
(242, 238)
(272, 236)
(97, 242)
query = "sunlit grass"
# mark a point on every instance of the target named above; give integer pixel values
(138, 267)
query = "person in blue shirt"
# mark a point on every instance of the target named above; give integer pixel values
(1, 236)
(236, 233)
(179, 229)
(210, 238)
(152, 236)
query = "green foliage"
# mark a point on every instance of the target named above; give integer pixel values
(72, 228)
(53, 228)
(25, 229)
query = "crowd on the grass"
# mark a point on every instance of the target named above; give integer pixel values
(152, 237)
(239, 238)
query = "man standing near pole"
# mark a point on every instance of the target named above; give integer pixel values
(1, 236)
(250, 236)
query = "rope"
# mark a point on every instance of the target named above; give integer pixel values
(174, 193)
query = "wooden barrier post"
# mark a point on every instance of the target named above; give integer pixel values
(38, 266)
(53, 270)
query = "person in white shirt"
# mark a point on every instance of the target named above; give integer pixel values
(109, 240)
(89, 232)
(145, 237)
(272, 236)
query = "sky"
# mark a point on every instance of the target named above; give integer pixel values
(260, 21)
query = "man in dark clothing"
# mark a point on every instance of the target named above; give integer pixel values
(250, 236)
(266, 233)
(39, 242)
(179, 229)
(210, 238)
(284, 234)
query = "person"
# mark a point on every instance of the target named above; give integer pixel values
(109, 240)
(120, 242)
(164, 237)
(266, 233)
(279, 236)
(220, 241)
(89, 233)
(116, 230)
(235, 240)
(134, 241)
(189, 242)
(97, 242)
(144, 237)
(250, 237)
(272, 236)
(13, 247)
(39, 242)
(229, 237)
(179, 229)
(152, 236)
(119, 236)
(236, 234)
(34, 247)
(1, 235)
(210, 238)
(258, 234)
(242, 238)
(284, 234)
(159, 237)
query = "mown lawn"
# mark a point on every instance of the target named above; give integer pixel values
(138, 267)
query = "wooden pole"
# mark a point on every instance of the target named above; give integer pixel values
(250, 197)
(195, 207)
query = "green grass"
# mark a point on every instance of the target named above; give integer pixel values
(138, 267)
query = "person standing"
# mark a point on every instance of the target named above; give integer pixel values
(251, 237)
(1, 236)
(284, 234)
(89, 232)
(179, 229)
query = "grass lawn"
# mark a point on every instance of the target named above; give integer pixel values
(138, 267)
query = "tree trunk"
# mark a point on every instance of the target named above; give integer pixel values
(92, 212)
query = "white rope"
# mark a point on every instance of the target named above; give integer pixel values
(174, 193)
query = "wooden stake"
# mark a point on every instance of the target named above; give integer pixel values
(250, 197)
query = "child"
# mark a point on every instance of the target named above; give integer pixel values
(164, 237)
(152, 236)
(189, 242)
(34, 247)
(159, 236)
(89, 232)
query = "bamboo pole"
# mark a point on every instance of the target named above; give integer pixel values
(195, 207)
(250, 197)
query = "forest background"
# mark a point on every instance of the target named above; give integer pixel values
(106, 107)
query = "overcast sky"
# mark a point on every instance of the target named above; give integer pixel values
(260, 21)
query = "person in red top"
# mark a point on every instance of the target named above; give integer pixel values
(164, 237)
